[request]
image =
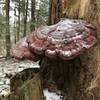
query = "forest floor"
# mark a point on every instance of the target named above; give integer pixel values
(11, 67)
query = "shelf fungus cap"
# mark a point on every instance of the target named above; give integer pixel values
(64, 40)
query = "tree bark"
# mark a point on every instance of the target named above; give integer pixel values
(55, 11)
(32, 27)
(18, 20)
(90, 11)
(66, 76)
(8, 42)
(26, 85)
(25, 18)
(15, 39)
(87, 77)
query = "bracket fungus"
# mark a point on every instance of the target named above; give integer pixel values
(58, 48)
(64, 40)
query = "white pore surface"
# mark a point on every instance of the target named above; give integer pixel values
(51, 95)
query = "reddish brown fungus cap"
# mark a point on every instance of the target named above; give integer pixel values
(64, 40)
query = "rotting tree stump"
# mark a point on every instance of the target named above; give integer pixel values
(64, 74)
(20, 78)
(68, 76)
(26, 87)
(59, 46)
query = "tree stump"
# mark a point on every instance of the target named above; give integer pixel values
(29, 89)
(68, 76)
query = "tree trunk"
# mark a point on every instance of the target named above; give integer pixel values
(82, 76)
(8, 42)
(55, 11)
(18, 31)
(15, 39)
(90, 11)
(32, 27)
(66, 76)
(25, 18)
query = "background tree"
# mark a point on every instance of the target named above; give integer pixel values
(8, 42)
(32, 27)
(15, 33)
(42, 13)
(37, 15)
(19, 11)
(25, 17)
